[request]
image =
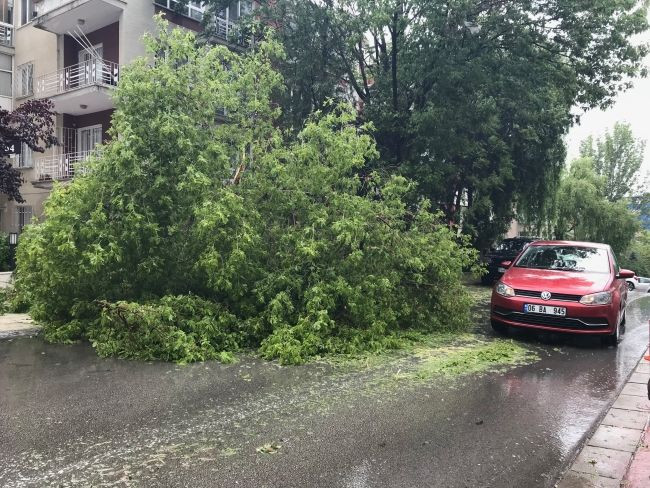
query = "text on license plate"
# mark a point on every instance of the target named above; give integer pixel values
(530, 308)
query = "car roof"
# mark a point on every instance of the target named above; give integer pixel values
(597, 245)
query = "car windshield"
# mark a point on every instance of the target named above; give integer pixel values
(565, 258)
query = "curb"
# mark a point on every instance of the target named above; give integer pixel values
(606, 459)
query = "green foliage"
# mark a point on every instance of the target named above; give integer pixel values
(637, 257)
(11, 301)
(5, 253)
(174, 328)
(470, 99)
(584, 212)
(617, 158)
(189, 239)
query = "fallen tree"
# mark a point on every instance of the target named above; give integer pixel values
(165, 250)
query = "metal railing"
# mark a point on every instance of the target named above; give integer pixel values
(95, 71)
(6, 34)
(229, 31)
(61, 166)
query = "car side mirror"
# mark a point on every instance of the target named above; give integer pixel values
(625, 274)
(506, 264)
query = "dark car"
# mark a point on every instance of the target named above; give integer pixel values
(507, 250)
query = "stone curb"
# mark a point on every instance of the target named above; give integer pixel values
(607, 456)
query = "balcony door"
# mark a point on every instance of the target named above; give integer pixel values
(87, 139)
(91, 65)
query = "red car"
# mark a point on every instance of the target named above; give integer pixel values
(562, 286)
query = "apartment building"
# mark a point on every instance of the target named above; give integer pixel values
(72, 51)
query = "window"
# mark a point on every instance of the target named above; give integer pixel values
(25, 80)
(23, 216)
(565, 258)
(7, 11)
(25, 158)
(245, 7)
(193, 9)
(26, 11)
(5, 75)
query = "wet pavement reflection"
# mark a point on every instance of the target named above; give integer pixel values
(69, 418)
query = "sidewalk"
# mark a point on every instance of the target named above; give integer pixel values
(617, 455)
(17, 324)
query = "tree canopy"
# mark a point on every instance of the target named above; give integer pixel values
(584, 213)
(190, 238)
(471, 99)
(617, 157)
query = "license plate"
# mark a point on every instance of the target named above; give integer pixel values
(501, 270)
(545, 309)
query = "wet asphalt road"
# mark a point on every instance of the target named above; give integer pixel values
(68, 418)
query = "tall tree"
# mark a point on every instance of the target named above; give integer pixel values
(470, 98)
(584, 213)
(32, 123)
(617, 157)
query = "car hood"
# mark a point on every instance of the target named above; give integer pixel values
(575, 283)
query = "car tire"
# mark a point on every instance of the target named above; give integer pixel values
(499, 328)
(615, 338)
(630, 286)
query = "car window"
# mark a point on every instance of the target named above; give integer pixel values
(565, 258)
(511, 245)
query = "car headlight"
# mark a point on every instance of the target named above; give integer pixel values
(504, 290)
(602, 298)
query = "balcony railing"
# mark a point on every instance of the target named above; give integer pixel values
(229, 31)
(6, 34)
(95, 71)
(61, 166)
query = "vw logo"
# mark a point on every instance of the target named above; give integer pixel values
(546, 295)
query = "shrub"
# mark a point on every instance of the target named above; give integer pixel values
(164, 252)
(5, 253)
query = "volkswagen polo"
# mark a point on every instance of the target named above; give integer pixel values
(562, 286)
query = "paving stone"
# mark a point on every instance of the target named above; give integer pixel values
(599, 461)
(636, 389)
(638, 476)
(639, 378)
(643, 367)
(631, 419)
(619, 438)
(630, 402)
(573, 479)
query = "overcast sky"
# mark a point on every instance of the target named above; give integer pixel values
(632, 106)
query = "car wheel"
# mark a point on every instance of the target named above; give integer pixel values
(499, 328)
(630, 286)
(615, 338)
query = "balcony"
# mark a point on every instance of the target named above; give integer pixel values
(227, 30)
(61, 16)
(80, 88)
(60, 167)
(6, 34)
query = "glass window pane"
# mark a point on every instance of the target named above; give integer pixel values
(5, 62)
(5, 84)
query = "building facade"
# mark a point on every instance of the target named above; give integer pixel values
(72, 51)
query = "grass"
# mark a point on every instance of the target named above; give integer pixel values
(424, 357)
